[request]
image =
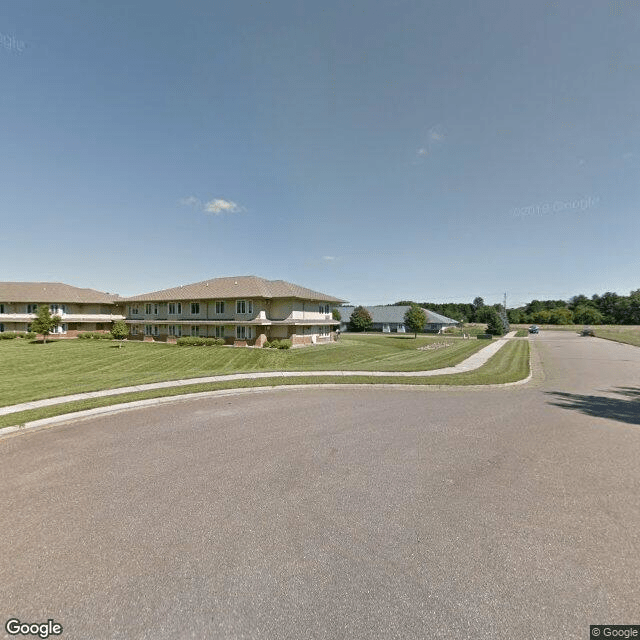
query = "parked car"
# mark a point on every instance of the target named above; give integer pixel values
(534, 328)
(588, 331)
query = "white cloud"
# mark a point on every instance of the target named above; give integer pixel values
(216, 207)
(329, 258)
(219, 206)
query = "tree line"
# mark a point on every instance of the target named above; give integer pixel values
(608, 308)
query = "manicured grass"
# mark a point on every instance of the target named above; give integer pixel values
(521, 333)
(33, 371)
(629, 334)
(510, 364)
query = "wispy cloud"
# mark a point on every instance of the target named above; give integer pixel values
(329, 258)
(435, 137)
(216, 207)
(191, 201)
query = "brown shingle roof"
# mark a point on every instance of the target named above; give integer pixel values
(235, 287)
(51, 292)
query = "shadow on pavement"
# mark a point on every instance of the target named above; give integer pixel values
(625, 409)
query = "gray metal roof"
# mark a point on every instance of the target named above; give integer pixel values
(393, 315)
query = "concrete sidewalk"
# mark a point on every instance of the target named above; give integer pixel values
(474, 361)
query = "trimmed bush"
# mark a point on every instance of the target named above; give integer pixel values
(95, 335)
(8, 335)
(30, 335)
(196, 341)
(284, 344)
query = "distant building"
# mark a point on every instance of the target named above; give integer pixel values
(390, 319)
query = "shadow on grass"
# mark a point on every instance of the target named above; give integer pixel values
(624, 409)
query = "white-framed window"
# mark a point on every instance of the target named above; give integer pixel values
(243, 333)
(219, 332)
(175, 330)
(134, 329)
(57, 309)
(244, 306)
(195, 308)
(151, 330)
(323, 331)
(147, 309)
(133, 310)
(151, 308)
(175, 308)
(195, 330)
(32, 308)
(219, 307)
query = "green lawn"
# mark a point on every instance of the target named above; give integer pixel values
(521, 333)
(510, 364)
(629, 334)
(31, 371)
(626, 333)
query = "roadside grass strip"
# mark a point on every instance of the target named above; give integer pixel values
(510, 364)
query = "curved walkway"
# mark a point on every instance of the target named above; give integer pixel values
(474, 361)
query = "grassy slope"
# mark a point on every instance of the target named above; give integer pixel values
(32, 371)
(510, 364)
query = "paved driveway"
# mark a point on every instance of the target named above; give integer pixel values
(501, 513)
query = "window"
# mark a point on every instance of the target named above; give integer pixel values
(220, 307)
(60, 329)
(195, 331)
(57, 309)
(133, 310)
(219, 332)
(195, 308)
(134, 330)
(175, 330)
(243, 333)
(1, 328)
(151, 330)
(1, 308)
(324, 331)
(175, 308)
(32, 308)
(244, 306)
(147, 309)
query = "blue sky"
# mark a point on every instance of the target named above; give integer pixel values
(376, 151)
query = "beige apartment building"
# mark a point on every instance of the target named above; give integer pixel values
(244, 310)
(80, 309)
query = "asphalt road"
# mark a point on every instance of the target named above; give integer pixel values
(495, 513)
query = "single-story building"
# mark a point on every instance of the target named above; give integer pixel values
(390, 319)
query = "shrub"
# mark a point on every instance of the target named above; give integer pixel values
(85, 335)
(219, 341)
(284, 344)
(8, 335)
(30, 335)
